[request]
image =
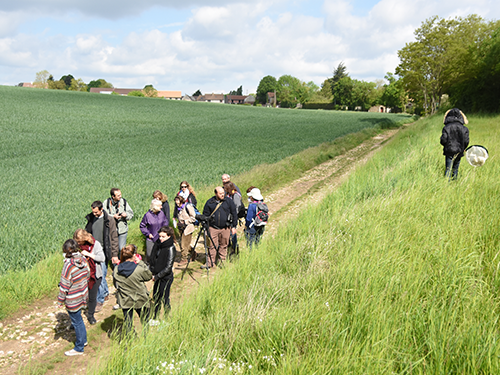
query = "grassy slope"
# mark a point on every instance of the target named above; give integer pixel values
(62, 150)
(396, 272)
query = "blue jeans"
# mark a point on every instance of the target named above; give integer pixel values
(103, 290)
(122, 241)
(456, 163)
(81, 332)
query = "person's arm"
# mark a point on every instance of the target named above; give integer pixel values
(207, 209)
(146, 274)
(144, 226)
(113, 240)
(191, 213)
(64, 285)
(128, 211)
(444, 137)
(97, 253)
(170, 263)
(234, 214)
(192, 199)
(466, 138)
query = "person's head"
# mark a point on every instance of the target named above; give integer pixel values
(165, 233)
(219, 193)
(229, 188)
(184, 186)
(179, 200)
(225, 178)
(70, 247)
(250, 189)
(256, 195)
(97, 208)
(155, 206)
(82, 237)
(116, 194)
(160, 196)
(128, 253)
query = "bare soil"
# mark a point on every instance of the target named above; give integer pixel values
(34, 340)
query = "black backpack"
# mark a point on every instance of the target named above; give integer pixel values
(262, 214)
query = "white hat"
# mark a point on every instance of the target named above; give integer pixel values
(255, 194)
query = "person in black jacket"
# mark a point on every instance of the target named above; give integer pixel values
(455, 139)
(222, 220)
(161, 263)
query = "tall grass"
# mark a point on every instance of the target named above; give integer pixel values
(395, 272)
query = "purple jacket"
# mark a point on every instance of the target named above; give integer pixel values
(151, 224)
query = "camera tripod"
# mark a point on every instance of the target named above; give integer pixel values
(205, 230)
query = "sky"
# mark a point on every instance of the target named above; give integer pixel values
(214, 46)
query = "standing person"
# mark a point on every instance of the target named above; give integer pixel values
(187, 192)
(119, 208)
(253, 233)
(232, 193)
(165, 207)
(226, 179)
(162, 260)
(222, 221)
(186, 216)
(103, 229)
(73, 292)
(455, 139)
(92, 250)
(152, 221)
(130, 277)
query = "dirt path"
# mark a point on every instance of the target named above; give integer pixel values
(34, 339)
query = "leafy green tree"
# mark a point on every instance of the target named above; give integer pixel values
(99, 83)
(363, 94)
(238, 91)
(197, 93)
(394, 94)
(136, 93)
(288, 91)
(41, 79)
(67, 80)
(77, 85)
(439, 57)
(342, 92)
(266, 84)
(56, 85)
(150, 91)
(338, 73)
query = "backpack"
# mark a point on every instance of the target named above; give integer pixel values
(196, 212)
(262, 214)
(109, 207)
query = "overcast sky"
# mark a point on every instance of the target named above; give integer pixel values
(214, 46)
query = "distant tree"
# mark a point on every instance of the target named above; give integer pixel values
(56, 85)
(266, 84)
(77, 85)
(67, 80)
(364, 94)
(41, 79)
(238, 91)
(150, 91)
(338, 74)
(197, 93)
(394, 94)
(99, 83)
(136, 93)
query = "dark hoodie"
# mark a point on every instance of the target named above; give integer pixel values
(455, 136)
(162, 258)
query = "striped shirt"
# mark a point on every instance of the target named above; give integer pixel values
(73, 287)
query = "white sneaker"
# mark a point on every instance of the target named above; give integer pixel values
(72, 352)
(116, 307)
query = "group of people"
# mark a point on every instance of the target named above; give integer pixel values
(103, 243)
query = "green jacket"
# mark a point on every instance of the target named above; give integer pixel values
(130, 281)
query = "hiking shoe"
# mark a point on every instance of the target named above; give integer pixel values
(116, 307)
(72, 352)
(92, 320)
(98, 307)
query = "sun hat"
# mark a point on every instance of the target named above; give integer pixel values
(255, 194)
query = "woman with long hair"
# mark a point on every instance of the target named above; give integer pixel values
(130, 277)
(187, 192)
(186, 217)
(73, 291)
(93, 252)
(165, 207)
(152, 221)
(162, 261)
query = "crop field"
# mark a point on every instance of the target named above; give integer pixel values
(63, 150)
